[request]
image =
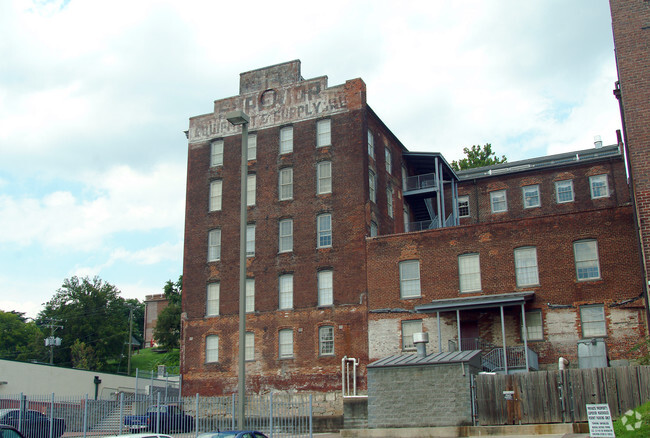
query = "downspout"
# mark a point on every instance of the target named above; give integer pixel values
(503, 334)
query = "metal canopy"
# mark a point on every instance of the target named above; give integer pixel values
(476, 302)
(399, 360)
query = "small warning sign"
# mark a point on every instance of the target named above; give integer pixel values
(600, 421)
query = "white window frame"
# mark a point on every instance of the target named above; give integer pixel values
(409, 279)
(324, 230)
(408, 328)
(534, 325)
(286, 140)
(463, 203)
(214, 245)
(593, 321)
(250, 295)
(216, 153)
(285, 235)
(372, 185)
(252, 147)
(373, 229)
(531, 196)
(249, 351)
(325, 288)
(469, 272)
(285, 183)
(212, 299)
(250, 240)
(326, 340)
(587, 262)
(389, 201)
(497, 198)
(285, 288)
(599, 186)
(216, 189)
(211, 349)
(371, 144)
(324, 133)
(526, 268)
(561, 191)
(251, 182)
(324, 177)
(285, 344)
(389, 160)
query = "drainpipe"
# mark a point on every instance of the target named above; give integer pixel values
(562, 364)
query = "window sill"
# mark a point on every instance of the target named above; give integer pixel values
(414, 297)
(587, 280)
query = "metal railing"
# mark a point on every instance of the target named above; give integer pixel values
(493, 360)
(425, 181)
(49, 416)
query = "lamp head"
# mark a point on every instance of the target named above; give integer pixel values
(237, 117)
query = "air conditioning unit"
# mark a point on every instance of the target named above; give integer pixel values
(592, 353)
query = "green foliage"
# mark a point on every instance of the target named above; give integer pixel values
(92, 313)
(168, 326)
(622, 431)
(148, 359)
(83, 356)
(19, 339)
(478, 156)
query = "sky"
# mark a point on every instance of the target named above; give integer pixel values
(95, 96)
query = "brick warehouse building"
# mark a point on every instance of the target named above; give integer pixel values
(355, 243)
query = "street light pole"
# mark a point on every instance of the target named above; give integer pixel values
(240, 118)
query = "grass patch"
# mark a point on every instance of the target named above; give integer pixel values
(148, 359)
(644, 431)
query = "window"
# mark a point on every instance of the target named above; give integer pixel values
(324, 225)
(216, 153)
(212, 305)
(285, 235)
(250, 240)
(250, 295)
(599, 187)
(326, 340)
(325, 288)
(286, 291)
(212, 348)
(534, 328)
(250, 189)
(324, 177)
(286, 140)
(372, 185)
(249, 351)
(389, 200)
(215, 195)
(286, 183)
(214, 245)
(373, 229)
(498, 201)
(592, 319)
(531, 196)
(526, 266)
(409, 278)
(286, 343)
(463, 206)
(323, 133)
(564, 191)
(252, 147)
(389, 161)
(408, 328)
(469, 272)
(371, 144)
(586, 256)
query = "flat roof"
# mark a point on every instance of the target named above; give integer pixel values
(400, 360)
(476, 302)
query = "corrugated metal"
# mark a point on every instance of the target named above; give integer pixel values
(400, 360)
(476, 302)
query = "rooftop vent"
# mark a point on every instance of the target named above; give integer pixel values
(421, 340)
(598, 142)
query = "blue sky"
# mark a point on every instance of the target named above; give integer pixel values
(95, 96)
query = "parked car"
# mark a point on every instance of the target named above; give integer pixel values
(169, 418)
(233, 434)
(32, 424)
(140, 435)
(9, 432)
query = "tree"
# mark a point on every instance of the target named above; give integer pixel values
(168, 326)
(478, 156)
(83, 356)
(19, 339)
(91, 312)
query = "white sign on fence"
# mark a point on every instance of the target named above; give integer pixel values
(600, 421)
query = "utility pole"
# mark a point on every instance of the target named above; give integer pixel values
(52, 341)
(128, 366)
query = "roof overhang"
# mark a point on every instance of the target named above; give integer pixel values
(476, 302)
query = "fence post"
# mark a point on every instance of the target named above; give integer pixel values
(196, 416)
(21, 413)
(310, 417)
(137, 370)
(271, 414)
(52, 416)
(85, 415)
(232, 411)
(158, 413)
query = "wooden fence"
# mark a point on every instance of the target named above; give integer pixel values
(558, 396)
